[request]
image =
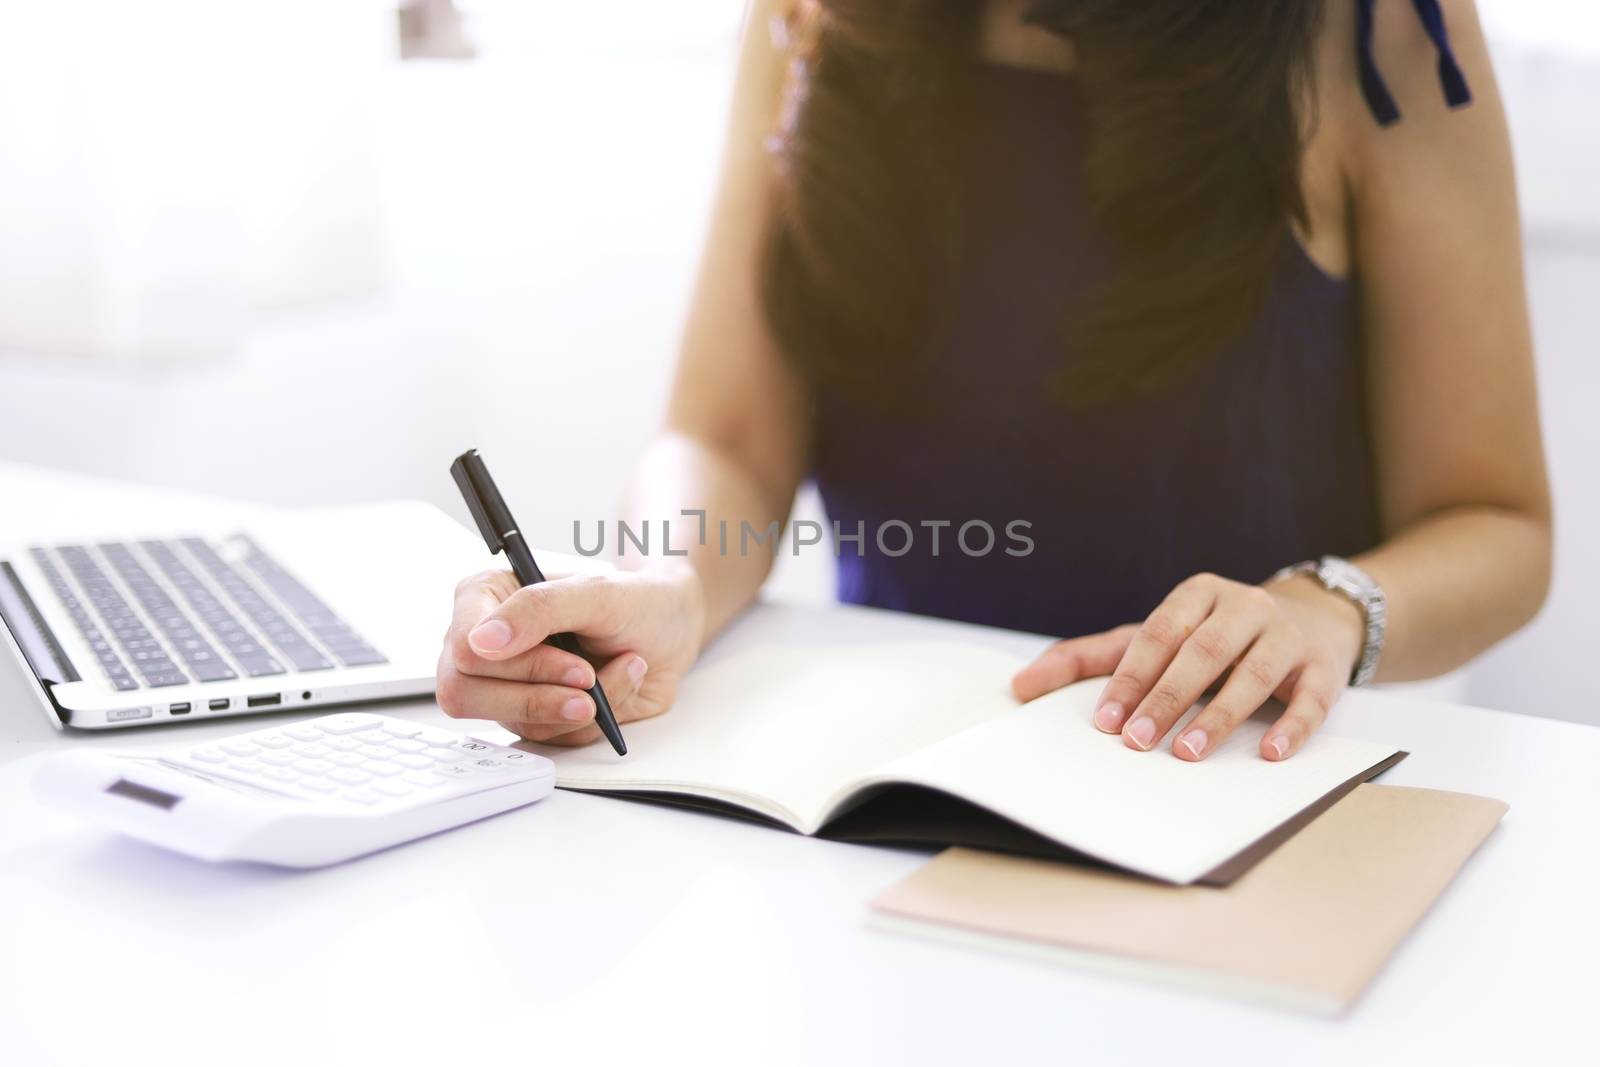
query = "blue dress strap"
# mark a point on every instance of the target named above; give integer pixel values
(1379, 101)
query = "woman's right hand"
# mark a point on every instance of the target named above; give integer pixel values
(640, 632)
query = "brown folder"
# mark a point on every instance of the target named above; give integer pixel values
(1309, 926)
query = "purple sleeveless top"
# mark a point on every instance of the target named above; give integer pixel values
(1260, 459)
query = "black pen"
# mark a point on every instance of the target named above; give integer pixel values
(500, 531)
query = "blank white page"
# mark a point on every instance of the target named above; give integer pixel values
(1047, 767)
(780, 729)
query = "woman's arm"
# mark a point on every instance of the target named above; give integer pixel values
(1465, 558)
(735, 439)
(1463, 491)
(734, 445)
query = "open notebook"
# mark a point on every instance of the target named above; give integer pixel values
(923, 743)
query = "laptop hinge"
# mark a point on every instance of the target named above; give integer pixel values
(32, 634)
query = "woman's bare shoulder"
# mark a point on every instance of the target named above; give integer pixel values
(1406, 61)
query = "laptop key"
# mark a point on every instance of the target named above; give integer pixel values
(305, 658)
(260, 666)
(212, 672)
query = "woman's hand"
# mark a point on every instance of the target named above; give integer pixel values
(641, 630)
(1291, 639)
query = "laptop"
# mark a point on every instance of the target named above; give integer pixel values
(310, 609)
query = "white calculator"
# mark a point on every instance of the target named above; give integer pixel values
(301, 795)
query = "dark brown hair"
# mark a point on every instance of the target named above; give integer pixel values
(1197, 116)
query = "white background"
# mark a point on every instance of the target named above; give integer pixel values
(405, 260)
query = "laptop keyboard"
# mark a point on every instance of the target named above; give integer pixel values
(226, 621)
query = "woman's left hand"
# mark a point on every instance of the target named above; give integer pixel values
(1290, 639)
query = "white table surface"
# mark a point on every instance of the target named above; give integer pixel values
(609, 931)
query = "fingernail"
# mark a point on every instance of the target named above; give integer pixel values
(1279, 745)
(1142, 732)
(577, 678)
(1109, 716)
(575, 709)
(1195, 742)
(636, 669)
(490, 636)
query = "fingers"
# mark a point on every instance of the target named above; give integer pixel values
(479, 595)
(1209, 629)
(542, 663)
(1068, 661)
(466, 696)
(622, 679)
(1318, 686)
(484, 594)
(584, 604)
(1250, 684)
(1152, 649)
(1200, 661)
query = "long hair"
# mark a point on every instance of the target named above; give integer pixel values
(1198, 111)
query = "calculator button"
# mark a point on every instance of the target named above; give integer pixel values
(383, 768)
(372, 737)
(240, 748)
(361, 796)
(403, 744)
(278, 759)
(488, 766)
(346, 759)
(342, 744)
(414, 762)
(312, 766)
(469, 745)
(514, 755)
(447, 755)
(280, 774)
(438, 738)
(317, 785)
(376, 751)
(393, 787)
(349, 775)
(426, 779)
(304, 733)
(274, 741)
(401, 729)
(455, 770)
(209, 755)
(312, 748)
(247, 766)
(347, 724)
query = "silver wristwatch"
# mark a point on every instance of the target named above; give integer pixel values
(1345, 578)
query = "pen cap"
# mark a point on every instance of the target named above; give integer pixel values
(483, 499)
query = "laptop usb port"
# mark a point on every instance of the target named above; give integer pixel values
(219, 704)
(178, 709)
(265, 700)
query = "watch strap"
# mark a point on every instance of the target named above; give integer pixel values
(1338, 575)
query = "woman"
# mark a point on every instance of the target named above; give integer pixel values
(1193, 291)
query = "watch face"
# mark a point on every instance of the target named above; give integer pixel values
(1343, 575)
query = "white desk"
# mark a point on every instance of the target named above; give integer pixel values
(615, 931)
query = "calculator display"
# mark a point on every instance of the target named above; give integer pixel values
(143, 793)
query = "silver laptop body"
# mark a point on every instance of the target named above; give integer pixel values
(300, 610)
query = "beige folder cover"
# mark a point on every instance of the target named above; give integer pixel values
(1310, 925)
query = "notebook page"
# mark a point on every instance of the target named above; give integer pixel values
(780, 729)
(1047, 767)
